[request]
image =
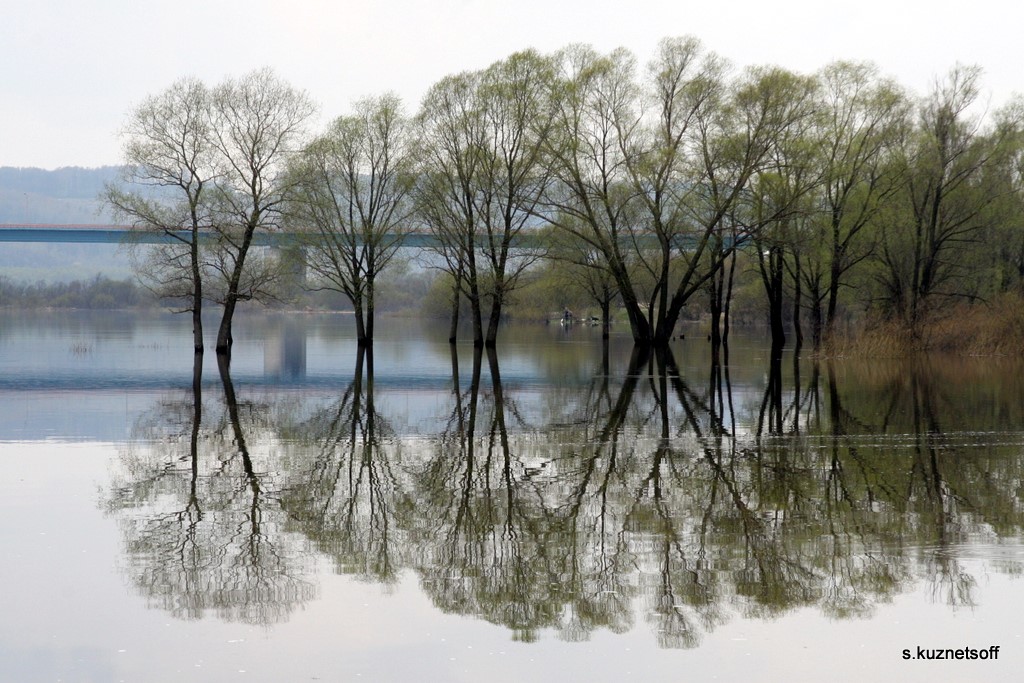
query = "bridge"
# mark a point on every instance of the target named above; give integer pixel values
(116, 234)
(67, 234)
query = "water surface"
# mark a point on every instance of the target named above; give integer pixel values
(559, 510)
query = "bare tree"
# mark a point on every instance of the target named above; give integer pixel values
(258, 124)
(684, 88)
(653, 191)
(167, 175)
(482, 177)
(353, 193)
(452, 132)
(748, 137)
(514, 174)
(775, 208)
(592, 197)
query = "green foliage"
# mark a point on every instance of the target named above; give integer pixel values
(675, 187)
(550, 289)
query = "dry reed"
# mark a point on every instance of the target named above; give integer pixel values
(994, 328)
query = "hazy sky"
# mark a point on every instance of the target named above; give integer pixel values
(71, 70)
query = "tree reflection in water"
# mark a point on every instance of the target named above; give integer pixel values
(344, 496)
(202, 525)
(584, 506)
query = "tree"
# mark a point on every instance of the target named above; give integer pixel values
(753, 174)
(591, 197)
(353, 190)
(956, 180)
(482, 178)
(451, 136)
(514, 173)
(860, 122)
(775, 208)
(1008, 238)
(168, 155)
(684, 87)
(654, 192)
(258, 124)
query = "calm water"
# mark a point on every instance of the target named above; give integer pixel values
(558, 511)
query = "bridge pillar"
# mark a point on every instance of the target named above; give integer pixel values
(293, 260)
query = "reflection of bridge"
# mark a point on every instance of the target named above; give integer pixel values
(116, 234)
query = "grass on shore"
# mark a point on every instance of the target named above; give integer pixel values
(994, 328)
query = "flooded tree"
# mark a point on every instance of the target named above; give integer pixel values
(258, 123)
(776, 211)
(590, 197)
(352, 198)
(167, 176)
(481, 177)
(452, 133)
(211, 161)
(651, 191)
(861, 120)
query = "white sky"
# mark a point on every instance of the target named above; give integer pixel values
(71, 70)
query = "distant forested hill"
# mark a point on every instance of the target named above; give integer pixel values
(66, 195)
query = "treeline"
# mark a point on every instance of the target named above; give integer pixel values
(656, 191)
(99, 292)
(69, 182)
(406, 294)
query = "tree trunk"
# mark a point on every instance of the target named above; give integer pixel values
(197, 296)
(715, 306)
(639, 325)
(816, 323)
(360, 322)
(833, 299)
(798, 332)
(638, 322)
(727, 304)
(606, 313)
(475, 308)
(197, 328)
(773, 285)
(492, 323)
(453, 327)
(477, 316)
(224, 338)
(368, 326)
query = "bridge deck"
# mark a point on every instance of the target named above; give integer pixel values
(116, 234)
